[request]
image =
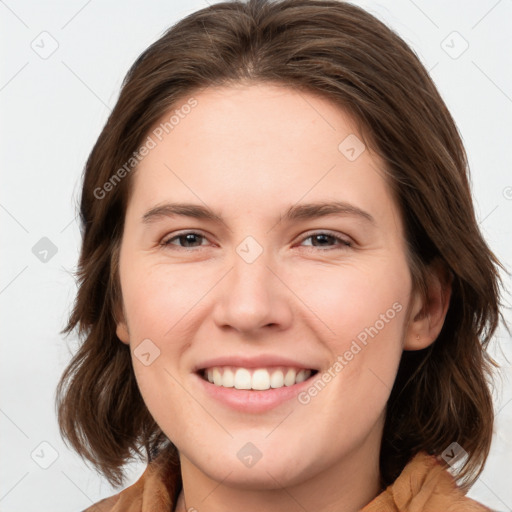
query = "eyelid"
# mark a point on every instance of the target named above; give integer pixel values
(171, 236)
(166, 241)
(345, 241)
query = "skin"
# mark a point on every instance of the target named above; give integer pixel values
(248, 152)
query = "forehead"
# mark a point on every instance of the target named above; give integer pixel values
(265, 140)
(262, 113)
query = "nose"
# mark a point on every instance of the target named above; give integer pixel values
(252, 296)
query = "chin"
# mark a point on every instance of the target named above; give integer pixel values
(249, 469)
(270, 475)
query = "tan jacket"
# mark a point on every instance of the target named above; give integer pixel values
(423, 486)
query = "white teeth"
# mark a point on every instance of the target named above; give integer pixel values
(217, 377)
(228, 379)
(242, 379)
(277, 379)
(258, 379)
(301, 376)
(289, 378)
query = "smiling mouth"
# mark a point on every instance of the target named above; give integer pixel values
(256, 379)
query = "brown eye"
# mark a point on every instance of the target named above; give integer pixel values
(185, 240)
(325, 239)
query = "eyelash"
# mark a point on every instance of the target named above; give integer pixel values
(345, 244)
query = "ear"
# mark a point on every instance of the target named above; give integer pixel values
(428, 315)
(121, 326)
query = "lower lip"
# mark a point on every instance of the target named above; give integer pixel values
(254, 401)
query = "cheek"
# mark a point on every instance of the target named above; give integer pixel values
(357, 302)
(163, 305)
(361, 313)
(161, 300)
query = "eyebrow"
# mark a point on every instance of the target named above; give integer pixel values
(294, 212)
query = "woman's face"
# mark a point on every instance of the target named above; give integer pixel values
(259, 285)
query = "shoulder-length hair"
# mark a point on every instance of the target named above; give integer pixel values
(339, 51)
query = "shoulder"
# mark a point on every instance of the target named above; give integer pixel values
(105, 505)
(430, 479)
(155, 489)
(424, 485)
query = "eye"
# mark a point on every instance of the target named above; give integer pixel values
(193, 239)
(188, 238)
(324, 238)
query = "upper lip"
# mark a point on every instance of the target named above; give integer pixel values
(260, 361)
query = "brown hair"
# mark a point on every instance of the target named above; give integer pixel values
(341, 52)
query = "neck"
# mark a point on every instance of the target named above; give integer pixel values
(346, 486)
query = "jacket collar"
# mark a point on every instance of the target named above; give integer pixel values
(423, 486)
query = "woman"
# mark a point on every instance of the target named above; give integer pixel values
(284, 295)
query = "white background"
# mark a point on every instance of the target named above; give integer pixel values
(52, 111)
